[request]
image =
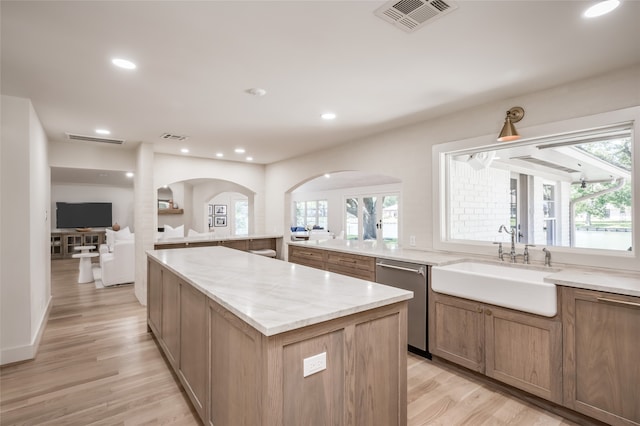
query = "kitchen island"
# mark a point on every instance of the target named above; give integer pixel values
(258, 341)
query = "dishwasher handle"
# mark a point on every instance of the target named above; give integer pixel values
(420, 271)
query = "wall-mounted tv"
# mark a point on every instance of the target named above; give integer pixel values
(83, 215)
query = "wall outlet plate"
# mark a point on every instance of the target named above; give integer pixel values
(412, 240)
(314, 364)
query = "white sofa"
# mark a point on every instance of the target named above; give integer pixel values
(119, 265)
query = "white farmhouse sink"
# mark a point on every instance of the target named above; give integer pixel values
(509, 286)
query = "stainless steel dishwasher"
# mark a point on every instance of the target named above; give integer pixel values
(412, 277)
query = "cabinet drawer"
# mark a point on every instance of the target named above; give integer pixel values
(236, 244)
(308, 257)
(353, 265)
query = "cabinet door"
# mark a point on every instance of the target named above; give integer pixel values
(456, 330)
(154, 297)
(601, 355)
(171, 317)
(193, 344)
(524, 351)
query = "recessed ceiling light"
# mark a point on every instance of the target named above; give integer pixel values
(123, 63)
(249, 158)
(184, 150)
(601, 8)
(219, 154)
(255, 91)
(129, 174)
(327, 175)
(328, 116)
(239, 150)
(103, 132)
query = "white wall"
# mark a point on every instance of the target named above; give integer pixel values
(121, 199)
(90, 155)
(240, 177)
(25, 286)
(406, 153)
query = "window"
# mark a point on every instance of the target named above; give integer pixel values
(372, 217)
(571, 190)
(312, 214)
(241, 216)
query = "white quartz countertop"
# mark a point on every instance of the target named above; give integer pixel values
(211, 236)
(386, 251)
(271, 295)
(600, 280)
(611, 281)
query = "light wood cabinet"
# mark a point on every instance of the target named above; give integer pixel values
(63, 243)
(154, 296)
(456, 330)
(306, 256)
(171, 317)
(235, 375)
(353, 265)
(517, 348)
(601, 355)
(238, 244)
(524, 351)
(193, 344)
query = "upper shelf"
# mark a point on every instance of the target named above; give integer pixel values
(170, 211)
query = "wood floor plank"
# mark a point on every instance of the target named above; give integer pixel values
(97, 365)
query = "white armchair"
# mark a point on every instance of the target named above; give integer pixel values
(118, 267)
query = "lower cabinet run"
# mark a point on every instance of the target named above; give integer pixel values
(235, 375)
(520, 349)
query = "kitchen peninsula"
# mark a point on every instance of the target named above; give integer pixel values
(258, 341)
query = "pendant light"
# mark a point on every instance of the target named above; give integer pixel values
(509, 132)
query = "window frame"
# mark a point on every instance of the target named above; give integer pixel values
(570, 255)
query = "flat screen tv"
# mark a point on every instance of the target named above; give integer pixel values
(83, 215)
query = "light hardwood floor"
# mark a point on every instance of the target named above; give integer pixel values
(97, 365)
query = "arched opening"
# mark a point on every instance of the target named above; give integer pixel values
(194, 202)
(356, 205)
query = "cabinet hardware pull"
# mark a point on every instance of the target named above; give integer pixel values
(479, 309)
(488, 312)
(347, 260)
(420, 271)
(621, 302)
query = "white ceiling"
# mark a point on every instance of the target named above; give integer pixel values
(196, 59)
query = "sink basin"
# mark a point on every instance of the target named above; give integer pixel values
(509, 286)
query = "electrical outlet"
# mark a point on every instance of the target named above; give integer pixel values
(412, 240)
(314, 364)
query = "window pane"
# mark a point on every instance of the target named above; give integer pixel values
(242, 217)
(352, 219)
(369, 218)
(390, 218)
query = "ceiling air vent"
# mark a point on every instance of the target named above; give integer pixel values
(76, 137)
(409, 15)
(172, 137)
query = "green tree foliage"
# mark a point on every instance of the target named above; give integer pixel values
(618, 153)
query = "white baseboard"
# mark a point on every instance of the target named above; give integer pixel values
(27, 352)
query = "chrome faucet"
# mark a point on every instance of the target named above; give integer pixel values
(500, 251)
(512, 253)
(526, 253)
(547, 257)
